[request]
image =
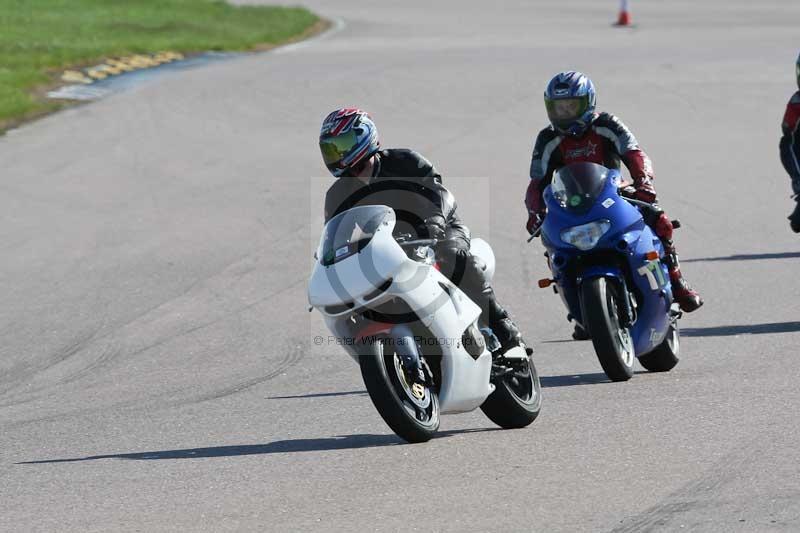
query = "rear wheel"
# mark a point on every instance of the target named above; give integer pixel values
(517, 397)
(665, 356)
(408, 407)
(612, 341)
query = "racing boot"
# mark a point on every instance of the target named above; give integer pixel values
(688, 299)
(794, 218)
(580, 334)
(506, 331)
(476, 285)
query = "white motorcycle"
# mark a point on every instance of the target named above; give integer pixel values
(417, 337)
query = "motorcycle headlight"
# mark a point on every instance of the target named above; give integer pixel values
(585, 236)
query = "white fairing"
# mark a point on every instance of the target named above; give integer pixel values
(355, 279)
(465, 381)
(481, 248)
(351, 279)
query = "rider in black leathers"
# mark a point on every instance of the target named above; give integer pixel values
(408, 183)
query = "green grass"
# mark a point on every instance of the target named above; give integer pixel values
(40, 38)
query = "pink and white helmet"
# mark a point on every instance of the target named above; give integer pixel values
(347, 137)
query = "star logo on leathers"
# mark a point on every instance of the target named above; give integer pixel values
(586, 151)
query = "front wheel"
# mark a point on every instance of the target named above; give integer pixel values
(517, 397)
(665, 356)
(409, 408)
(612, 341)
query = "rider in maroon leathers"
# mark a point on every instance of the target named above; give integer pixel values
(605, 140)
(790, 149)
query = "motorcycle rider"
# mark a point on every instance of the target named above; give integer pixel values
(578, 134)
(790, 148)
(405, 181)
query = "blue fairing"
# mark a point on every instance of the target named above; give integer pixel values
(619, 254)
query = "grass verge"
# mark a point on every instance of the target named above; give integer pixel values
(41, 38)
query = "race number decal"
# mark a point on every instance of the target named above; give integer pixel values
(652, 271)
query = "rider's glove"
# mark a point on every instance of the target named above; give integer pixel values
(435, 228)
(646, 195)
(645, 190)
(663, 227)
(535, 221)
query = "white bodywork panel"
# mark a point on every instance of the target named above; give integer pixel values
(465, 381)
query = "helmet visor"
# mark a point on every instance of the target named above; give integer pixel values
(335, 149)
(564, 111)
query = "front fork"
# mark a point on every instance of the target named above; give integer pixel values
(627, 308)
(628, 312)
(414, 364)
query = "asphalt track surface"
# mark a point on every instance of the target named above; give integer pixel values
(157, 364)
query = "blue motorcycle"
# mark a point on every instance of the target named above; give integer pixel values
(607, 267)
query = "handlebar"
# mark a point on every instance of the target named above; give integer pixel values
(640, 203)
(675, 223)
(400, 239)
(419, 242)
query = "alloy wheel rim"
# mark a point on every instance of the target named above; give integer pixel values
(423, 409)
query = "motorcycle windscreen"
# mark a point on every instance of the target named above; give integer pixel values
(577, 186)
(348, 233)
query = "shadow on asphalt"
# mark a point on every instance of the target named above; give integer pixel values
(746, 329)
(318, 395)
(342, 442)
(713, 331)
(745, 257)
(569, 380)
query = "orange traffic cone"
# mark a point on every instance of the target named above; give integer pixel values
(624, 18)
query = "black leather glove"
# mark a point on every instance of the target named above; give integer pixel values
(435, 227)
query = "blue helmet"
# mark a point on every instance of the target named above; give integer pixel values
(570, 100)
